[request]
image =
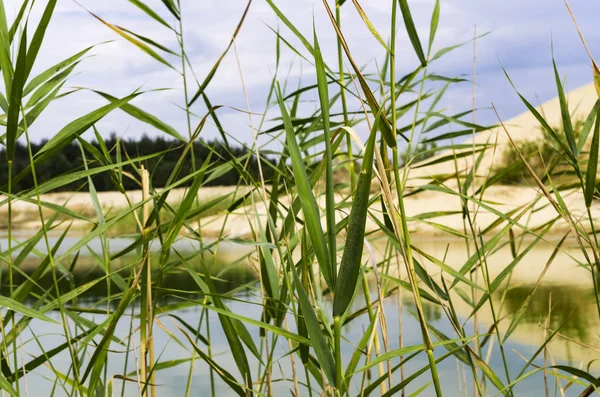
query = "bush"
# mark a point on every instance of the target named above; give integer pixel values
(543, 156)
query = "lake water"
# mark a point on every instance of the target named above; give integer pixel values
(573, 309)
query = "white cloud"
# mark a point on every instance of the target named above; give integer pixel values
(520, 39)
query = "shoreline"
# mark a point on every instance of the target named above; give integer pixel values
(432, 214)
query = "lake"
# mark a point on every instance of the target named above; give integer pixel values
(566, 293)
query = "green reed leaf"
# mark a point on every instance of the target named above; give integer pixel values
(144, 117)
(24, 310)
(6, 385)
(235, 332)
(5, 42)
(17, 21)
(351, 259)
(70, 132)
(16, 95)
(329, 194)
(215, 67)
(564, 111)
(307, 199)
(518, 316)
(223, 374)
(133, 40)
(38, 36)
(587, 128)
(412, 31)
(388, 131)
(579, 373)
(489, 373)
(314, 331)
(49, 85)
(435, 20)
(367, 22)
(51, 71)
(170, 4)
(150, 12)
(411, 349)
(592, 164)
(541, 119)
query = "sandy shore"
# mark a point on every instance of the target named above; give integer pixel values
(26, 217)
(496, 201)
(240, 223)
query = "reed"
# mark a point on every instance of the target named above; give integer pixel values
(345, 299)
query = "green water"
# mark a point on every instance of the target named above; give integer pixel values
(566, 307)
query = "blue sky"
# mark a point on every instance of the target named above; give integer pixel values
(520, 38)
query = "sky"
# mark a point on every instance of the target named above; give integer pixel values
(521, 36)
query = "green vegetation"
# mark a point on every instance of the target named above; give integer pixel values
(315, 273)
(545, 158)
(71, 158)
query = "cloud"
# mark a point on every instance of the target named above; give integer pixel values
(520, 40)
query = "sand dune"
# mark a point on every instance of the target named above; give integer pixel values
(524, 127)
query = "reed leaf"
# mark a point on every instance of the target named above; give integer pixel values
(435, 20)
(592, 164)
(16, 94)
(350, 265)
(412, 31)
(307, 198)
(51, 71)
(329, 194)
(38, 37)
(150, 12)
(367, 22)
(315, 334)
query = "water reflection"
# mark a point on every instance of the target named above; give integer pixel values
(573, 310)
(572, 307)
(229, 270)
(431, 311)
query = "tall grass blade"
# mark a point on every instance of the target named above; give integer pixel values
(51, 71)
(144, 7)
(24, 310)
(587, 127)
(592, 164)
(435, 20)
(226, 376)
(329, 193)
(597, 79)
(133, 40)
(170, 4)
(16, 94)
(307, 198)
(564, 111)
(489, 373)
(38, 36)
(518, 316)
(387, 130)
(541, 119)
(7, 386)
(412, 31)
(365, 18)
(145, 117)
(234, 331)
(215, 67)
(5, 41)
(70, 132)
(48, 86)
(351, 259)
(17, 21)
(318, 342)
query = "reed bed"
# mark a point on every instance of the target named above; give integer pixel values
(329, 304)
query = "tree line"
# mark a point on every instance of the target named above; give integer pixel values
(71, 159)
